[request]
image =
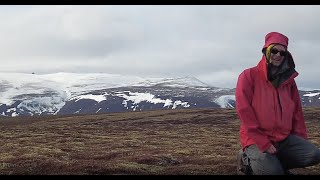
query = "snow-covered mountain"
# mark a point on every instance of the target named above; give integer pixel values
(71, 93)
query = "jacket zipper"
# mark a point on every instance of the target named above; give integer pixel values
(279, 102)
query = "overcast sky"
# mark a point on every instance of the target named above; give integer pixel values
(212, 43)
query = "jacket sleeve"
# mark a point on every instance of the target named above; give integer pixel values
(244, 94)
(298, 121)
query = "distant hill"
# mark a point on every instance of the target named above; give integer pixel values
(69, 93)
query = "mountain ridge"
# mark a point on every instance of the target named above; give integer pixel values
(71, 93)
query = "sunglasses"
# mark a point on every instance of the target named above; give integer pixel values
(275, 51)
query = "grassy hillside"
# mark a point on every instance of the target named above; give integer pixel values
(202, 141)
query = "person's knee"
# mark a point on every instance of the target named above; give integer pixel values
(317, 156)
(314, 158)
(267, 164)
(268, 170)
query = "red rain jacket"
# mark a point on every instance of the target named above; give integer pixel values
(267, 115)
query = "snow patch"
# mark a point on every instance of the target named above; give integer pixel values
(14, 114)
(223, 101)
(11, 110)
(40, 105)
(97, 98)
(311, 94)
(137, 98)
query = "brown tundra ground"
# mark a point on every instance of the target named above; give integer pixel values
(198, 141)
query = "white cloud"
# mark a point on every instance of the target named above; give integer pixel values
(208, 42)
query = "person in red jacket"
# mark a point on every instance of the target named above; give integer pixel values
(273, 133)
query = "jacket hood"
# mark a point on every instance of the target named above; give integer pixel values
(288, 67)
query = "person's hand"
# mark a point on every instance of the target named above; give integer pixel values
(271, 150)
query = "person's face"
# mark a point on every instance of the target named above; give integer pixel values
(277, 54)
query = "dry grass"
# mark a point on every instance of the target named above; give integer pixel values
(199, 141)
